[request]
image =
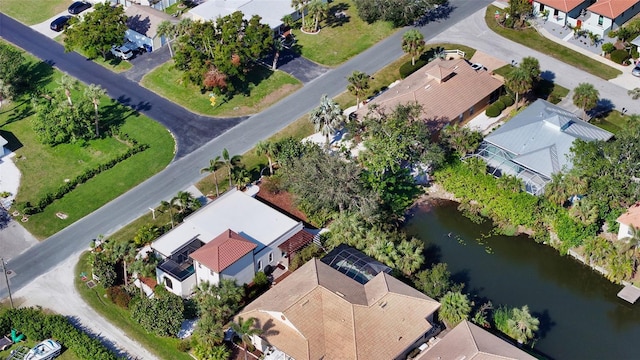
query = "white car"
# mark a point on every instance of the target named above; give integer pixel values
(477, 66)
(122, 52)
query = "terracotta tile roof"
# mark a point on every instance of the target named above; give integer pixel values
(223, 250)
(562, 5)
(444, 88)
(631, 217)
(612, 8)
(318, 312)
(296, 242)
(471, 342)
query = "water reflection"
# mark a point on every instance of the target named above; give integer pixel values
(581, 317)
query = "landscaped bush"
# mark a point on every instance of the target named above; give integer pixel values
(506, 100)
(493, 111)
(119, 296)
(161, 315)
(608, 47)
(619, 56)
(500, 105)
(304, 255)
(407, 69)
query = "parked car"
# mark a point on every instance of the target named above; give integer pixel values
(134, 47)
(122, 52)
(477, 66)
(636, 70)
(78, 7)
(60, 23)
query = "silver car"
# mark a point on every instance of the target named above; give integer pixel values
(636, 70)
(122, 52)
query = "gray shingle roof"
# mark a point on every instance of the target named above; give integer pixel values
(541, 136)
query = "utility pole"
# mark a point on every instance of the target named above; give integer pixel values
(6, 279)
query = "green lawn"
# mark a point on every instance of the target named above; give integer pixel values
(114, 64)
(32, 12)
(164, 348)
(614, 122)
(339, 41)
(45, 168)
(263, 90)
(546, 89)
(533, 40)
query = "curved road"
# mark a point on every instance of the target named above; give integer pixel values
(195, 152)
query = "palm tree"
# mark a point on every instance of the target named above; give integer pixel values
(326, 117)
(358, 85)
(231, 162)
(214, 166)
(318, 9)
(522, 324)
(168, 205)
(300, 6)
(519, 81)
(635, 93)
(455, 307)
(267, 148)
(510, 183)
(410, 257)
(168, 30)
(556, 190)
(94, 92)
(67, 83)
(277, 48)
(532, 66)
(413, 44)
(245, 330)
(585, 96)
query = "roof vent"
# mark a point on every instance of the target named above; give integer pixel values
(305, 302)
(383, 305)
(427, 87)
(339, 294)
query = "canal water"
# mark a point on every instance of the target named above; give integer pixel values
(580, 314)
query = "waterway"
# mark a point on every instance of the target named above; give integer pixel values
(580, 314)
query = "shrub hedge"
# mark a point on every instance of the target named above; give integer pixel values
(506, 100)
(49, 198)
(493, 111)
(619, 56)
(39, 326)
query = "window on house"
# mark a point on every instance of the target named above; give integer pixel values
(259, 264)
(211, 272)
(283, 255)
(600, 20)
(199, 266)
(541, 7)
(556, 12)
(270, 257)
(168, 283)
(471, 111)
(461, 117)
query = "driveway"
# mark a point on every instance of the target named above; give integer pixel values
(297, 66)
(146, 62)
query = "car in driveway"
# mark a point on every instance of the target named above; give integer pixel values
(477, 66)
(78, 7)
(636, 70)
(122, 52)
(60, 23)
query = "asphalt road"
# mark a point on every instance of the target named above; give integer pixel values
(191, 131)
(194, 153)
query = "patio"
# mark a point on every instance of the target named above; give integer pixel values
(565, 34)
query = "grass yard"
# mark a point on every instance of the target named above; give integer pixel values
(340, 39)
(264, 89)
(114, 64)
(164, 348)
(45, 168)
(546, 89)
(614, 122)
(32, 12)
(533, 40)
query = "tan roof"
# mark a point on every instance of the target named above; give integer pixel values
(145, 19)
(631, 217)
(562, 5)
(223, 250)
(318, 312)
(612, 8)
(471, 342)
(444, 88)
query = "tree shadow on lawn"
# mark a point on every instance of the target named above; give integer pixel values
(253, 79)
(37, 76)
(337, 16)
(114, 114)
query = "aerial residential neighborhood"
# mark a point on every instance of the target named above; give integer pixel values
(311, 179)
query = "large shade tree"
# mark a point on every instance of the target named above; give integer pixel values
(413, 44)
(585, 97)
(455, 307)
(326, 117)
(98, 31)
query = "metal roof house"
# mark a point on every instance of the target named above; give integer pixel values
(536, 143)
(271, 11)
(233, 237)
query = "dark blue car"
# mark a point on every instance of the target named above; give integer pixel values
(78, 7)
(60, 23)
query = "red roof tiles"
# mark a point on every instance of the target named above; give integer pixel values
(223, 251)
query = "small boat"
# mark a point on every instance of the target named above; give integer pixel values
(45, 350)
